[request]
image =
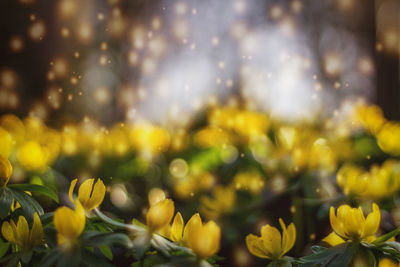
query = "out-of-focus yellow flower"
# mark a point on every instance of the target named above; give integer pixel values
(222, 202)
(20, 234)
(119, 136)
(246, 123)
(5, 170)
(380, 182)
(32, 156)
(350, 224)
(69, 224)
(251, 181)
(212, 136)
(69, 140)
(149, 139)
(90, 196)
(271, 244)
(189, 185)
(160, 214)
(389, 138)
(352, 181)
(322, 156)
(371, 117)
(288, 137)
(6, 142)
(202, 239)
(14, 126)
(386, 262)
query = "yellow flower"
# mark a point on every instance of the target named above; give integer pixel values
(178, 232)
(352, 180)
(69, 224)
(386, 262)
(20, 234)
(88, 195)
(160, 214)
(350, 224)
(32, 156)
(271, 244)
(223, 201)
(202, 239)
(5, 171)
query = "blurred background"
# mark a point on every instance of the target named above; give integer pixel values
(238, 109)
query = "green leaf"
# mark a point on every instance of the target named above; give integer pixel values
(35, 188)
(387, 236)
(3, 248)
(106, 251)
(28, 204)
(6, 199)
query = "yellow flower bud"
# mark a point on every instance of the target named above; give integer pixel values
(5, 171)
(69, 224)
(160, 214)
(202, 239)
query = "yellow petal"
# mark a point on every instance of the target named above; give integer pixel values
(177, 228)
(386, 262)
(166, 231)
(71, 190)
(36, 236)
(23, 231)
(193, 223)
(99, 190)
(373, 221)
(84, 191)
(256, 247)
(272, 240)
(337, 225)
(7, 232)
(160, 214)
(5, 170)
(204, 240)
(291, 232)
(333, 239)
(69, 223)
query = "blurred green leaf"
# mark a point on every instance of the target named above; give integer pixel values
(35, 188)
(6, 199)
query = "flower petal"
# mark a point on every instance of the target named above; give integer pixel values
(99, 190)
(337, 223)
(255, 247)
(372, 222)
(333, 239)
(160, 214)
(272, 240)
(177, 228)
(84, 191)
(194, 222)
(7, 232)
(23, 231)
(71, 190)
(36, 236)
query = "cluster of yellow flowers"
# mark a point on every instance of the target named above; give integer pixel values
(386, 132)
(377, 183)
(35, 146)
